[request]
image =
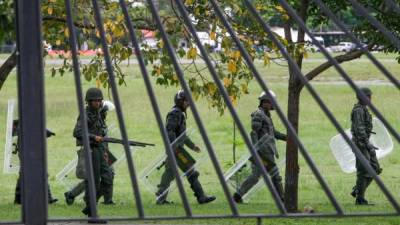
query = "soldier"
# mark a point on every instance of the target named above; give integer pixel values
(96, 120)
(361, 129)
(17, 198)
(176, 125)
(263, 137)
(106, 192)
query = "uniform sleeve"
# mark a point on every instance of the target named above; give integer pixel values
(360, 130)
(280, 136)
(188, 142)
(256, 124)
(172, 124)
(78, 130)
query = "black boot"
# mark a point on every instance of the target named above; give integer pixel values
(69, 198)
(108, 196)
(199, 193)
(162, 197)
(361, 201)
(51, 200)
(237, 198)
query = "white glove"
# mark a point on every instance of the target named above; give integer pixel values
(110, 106)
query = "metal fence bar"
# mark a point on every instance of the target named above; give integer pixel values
(32, 137)
(280, 113)
(329, 13)
(318, 99)
(360, 9)
(114, 91)
(82, 112)
(229, 104)
(156, 109)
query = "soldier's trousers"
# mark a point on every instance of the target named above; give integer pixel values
(106, 190)
(17, 198)
(272, 169)
(185, 162)
(364, 179)
(100, 167)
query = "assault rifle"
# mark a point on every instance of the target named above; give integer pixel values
(131, 143)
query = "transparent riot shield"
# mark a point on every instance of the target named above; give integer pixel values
(239, 172)
(151, 175)
(11, 161)
(344, 154)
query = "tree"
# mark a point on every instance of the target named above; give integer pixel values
(232, 69)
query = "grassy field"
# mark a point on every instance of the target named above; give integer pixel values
(315, 132)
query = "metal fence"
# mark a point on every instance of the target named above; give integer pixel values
(32, 113)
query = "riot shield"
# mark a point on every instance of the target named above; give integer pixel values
(11, 161)
(344, 154)
(239, 172)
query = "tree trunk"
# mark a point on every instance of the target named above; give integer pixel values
(7, 67)
(292, 165)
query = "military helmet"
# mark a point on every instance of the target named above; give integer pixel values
(180, 96)
(93, 94)
(264, 96)
(366, 92)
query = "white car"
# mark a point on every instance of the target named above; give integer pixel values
(343, 47)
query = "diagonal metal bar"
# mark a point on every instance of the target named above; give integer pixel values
(157, 19)
(82, 111)
(156, 109)
(280, 113)
(329, 13)
(229, 104)
(318, 99)
(114, 91)
(390, 35)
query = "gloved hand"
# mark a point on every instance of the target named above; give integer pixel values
(371, 147)
(277, 154)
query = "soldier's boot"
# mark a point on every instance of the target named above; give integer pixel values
(354, 191)
(17, 197)
(361, 187)
(51, 200)
(237, 198)
(74, 192)
(279, 188)
(87, 212)
(108, 196)
(161, 198)
(199, 193)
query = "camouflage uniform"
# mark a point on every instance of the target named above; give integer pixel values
(361, 129)
(176, 125)
(263, 137)
(103, 174)
(17, 198)
(105, 191)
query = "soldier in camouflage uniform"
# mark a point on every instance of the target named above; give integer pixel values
(176, 125)
(17, 199)
(361, 129)
(96, 121)
(263, 137)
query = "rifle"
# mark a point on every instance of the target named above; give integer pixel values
(131, 143)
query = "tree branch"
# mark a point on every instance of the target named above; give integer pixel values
(7, 67)
(340, 59)
(150, 25)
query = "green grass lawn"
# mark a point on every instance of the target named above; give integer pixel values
(315, 132)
